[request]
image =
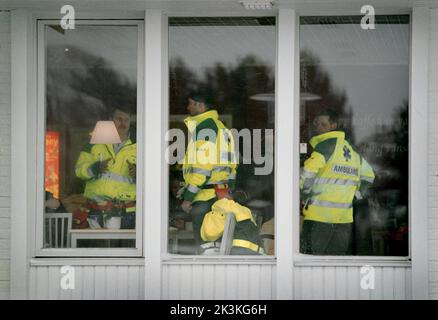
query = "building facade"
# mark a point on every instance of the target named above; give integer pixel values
(297, 55)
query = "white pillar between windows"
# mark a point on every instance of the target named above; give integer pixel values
(286, 197)
(418, 144)
(19, 156)
(155, 115)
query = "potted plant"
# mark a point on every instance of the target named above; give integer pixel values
(112, 219)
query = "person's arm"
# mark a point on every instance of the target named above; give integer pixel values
(367, 177)
(232, 178)
(201, 170)
(318, 159)
(310, 170)
(232, 158)
(203, 159)
(89, 165)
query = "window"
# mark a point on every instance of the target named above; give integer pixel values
(89, 80)
(354, 117)
(223, 65)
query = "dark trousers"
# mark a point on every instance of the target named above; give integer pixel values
(199, 210)
(128, 220)
(326, 238)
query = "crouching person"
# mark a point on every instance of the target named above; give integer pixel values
(245, 238)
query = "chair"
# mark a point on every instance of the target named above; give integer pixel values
(228, 235)
(57, 230)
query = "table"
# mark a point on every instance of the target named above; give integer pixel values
(95, 234)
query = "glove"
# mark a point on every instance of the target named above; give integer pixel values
(179, 194)
(132, 169)
(99, 167)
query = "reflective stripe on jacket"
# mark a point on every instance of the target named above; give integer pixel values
(115, 183)
(331, 177)
(210, 157)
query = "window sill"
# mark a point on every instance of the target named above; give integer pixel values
(179, 259)
(85, 253)
(124, 261)
(302, 260)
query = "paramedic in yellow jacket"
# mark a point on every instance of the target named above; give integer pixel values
(333, 175)
(209, 166)
(109, 171)
(246, 240)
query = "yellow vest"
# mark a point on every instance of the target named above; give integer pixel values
(331, 177)
(116, 183)
(245, 233)
(213, 224)
(210, 159)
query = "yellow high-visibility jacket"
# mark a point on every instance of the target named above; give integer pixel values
(331, 177)
(114, 184)
(245, 232)
(210, 158)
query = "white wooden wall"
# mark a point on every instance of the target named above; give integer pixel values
(433, 156)
(92, 282)
(343, 283)
(219, 281)
(5, 151)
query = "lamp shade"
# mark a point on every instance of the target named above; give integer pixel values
(105, 132)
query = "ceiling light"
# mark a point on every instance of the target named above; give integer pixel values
(257, 4)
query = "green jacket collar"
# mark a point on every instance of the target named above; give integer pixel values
(122, 144)
(113, 149)
(192, 121)
(328, 135)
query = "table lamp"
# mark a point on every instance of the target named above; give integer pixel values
(105, 132)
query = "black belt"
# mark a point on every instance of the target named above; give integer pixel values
(207, 187)
(211, 186)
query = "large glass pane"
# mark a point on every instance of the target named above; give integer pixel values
(90, 150)
(354, 136)
(222, 81)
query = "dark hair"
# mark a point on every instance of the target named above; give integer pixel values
(204, 95)
(123, 109)
(332, 114)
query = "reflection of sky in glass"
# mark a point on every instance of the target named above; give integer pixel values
(112, 43)
(204, 46)
(370, 66)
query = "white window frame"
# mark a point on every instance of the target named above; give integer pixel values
(169, 258)
(301, 259)
(41, 117)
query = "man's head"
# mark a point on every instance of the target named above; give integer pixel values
(122, 120)
(325, 121)
(199, 101)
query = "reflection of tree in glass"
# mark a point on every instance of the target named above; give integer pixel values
(235, 86)
(181, 81)
(388, 151)
(232, 87)
(315, 81)
(81, 89)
